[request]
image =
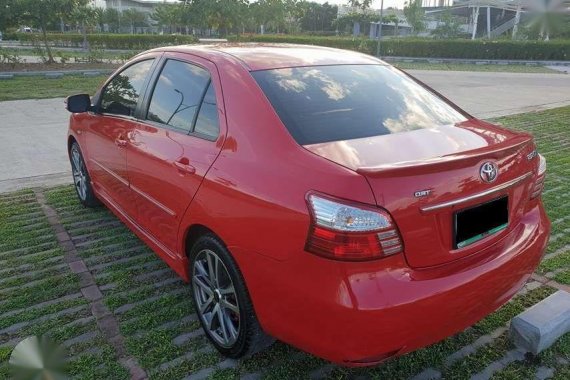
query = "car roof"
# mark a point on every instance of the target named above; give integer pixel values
(264, 56)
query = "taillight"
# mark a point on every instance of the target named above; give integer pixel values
(539, 183)
(348, 231)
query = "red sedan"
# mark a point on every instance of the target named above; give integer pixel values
(313, 195)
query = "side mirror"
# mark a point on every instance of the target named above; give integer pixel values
(78, 103)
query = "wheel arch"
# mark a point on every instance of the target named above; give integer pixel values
(70, 140)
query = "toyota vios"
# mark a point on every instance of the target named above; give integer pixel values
(313, 195)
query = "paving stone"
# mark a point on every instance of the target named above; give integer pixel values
(137, 373)
(537, 328)
(92, 293)
(428, 374)
(496, 366)
(544, 373)
(86, 279)
(67, 246)
(108, 326)
(118, 343)
(88, 336)
(78, 266)
(184, 338)
(62, 236)
(70, 257)
(41, 305)
(99, 310)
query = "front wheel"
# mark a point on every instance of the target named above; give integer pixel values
(222, 301)
(81, 178)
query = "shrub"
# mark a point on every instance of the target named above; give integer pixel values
(431, 48)
(109, 41)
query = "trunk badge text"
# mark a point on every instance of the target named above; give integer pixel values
(422, 193)
(489, 172)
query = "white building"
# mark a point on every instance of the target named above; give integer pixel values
(146, 6)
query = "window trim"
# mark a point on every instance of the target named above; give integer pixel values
(150, 92)
(135, 117)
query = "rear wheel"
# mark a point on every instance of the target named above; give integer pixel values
(222, 301)
(81, 178)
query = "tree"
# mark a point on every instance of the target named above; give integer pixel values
(362, 4)
(449, 26)
(134, 18)
(7, 18)
(269, 13)
(168, 15)
(43, 12)
(112, 18)
(85, 16)
(415, 15)
(318, 17)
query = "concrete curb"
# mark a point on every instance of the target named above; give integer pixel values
(476, 61)
(54, 74)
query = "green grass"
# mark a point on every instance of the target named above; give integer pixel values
(550, 129)
(28, 244)
(474, 67)
(41, 87)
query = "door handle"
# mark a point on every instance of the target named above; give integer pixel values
(183, 165)
(121, 142)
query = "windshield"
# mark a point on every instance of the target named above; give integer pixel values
(332, 103)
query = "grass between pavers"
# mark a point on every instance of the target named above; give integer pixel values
(37, 300)
(39, 87)
(552, 136)
(155, 311)
(474, 67)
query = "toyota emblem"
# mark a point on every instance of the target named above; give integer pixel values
(489, 172)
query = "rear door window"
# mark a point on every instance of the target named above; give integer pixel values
(342, 102)
(178, 94)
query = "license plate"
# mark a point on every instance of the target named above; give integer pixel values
(478, 222)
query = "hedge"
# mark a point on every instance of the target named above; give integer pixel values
(417, 47)
(109, 41)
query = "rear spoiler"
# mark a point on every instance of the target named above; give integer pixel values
(435, 165)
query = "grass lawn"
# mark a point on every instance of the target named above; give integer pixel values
(474, 67)
(155, 312)
(41, 87)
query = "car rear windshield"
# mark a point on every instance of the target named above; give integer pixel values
(320, 104)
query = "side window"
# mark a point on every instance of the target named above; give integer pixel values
(177, 95)
(121, 95)
(207, 121)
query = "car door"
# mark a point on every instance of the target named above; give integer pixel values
(173, 148)
(108, 131)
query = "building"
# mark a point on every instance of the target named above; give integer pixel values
(146, 6)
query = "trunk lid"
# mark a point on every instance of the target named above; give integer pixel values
(423, 177)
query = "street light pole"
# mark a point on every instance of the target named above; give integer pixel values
(380, 28)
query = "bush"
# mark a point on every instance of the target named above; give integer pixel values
(109, 41)
(424, 47)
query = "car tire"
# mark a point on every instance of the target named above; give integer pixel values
(81, 178)
(228, 318)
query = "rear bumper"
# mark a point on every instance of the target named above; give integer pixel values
(362, 313)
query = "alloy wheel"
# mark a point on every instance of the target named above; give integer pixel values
(79, 173)
(216, 298)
